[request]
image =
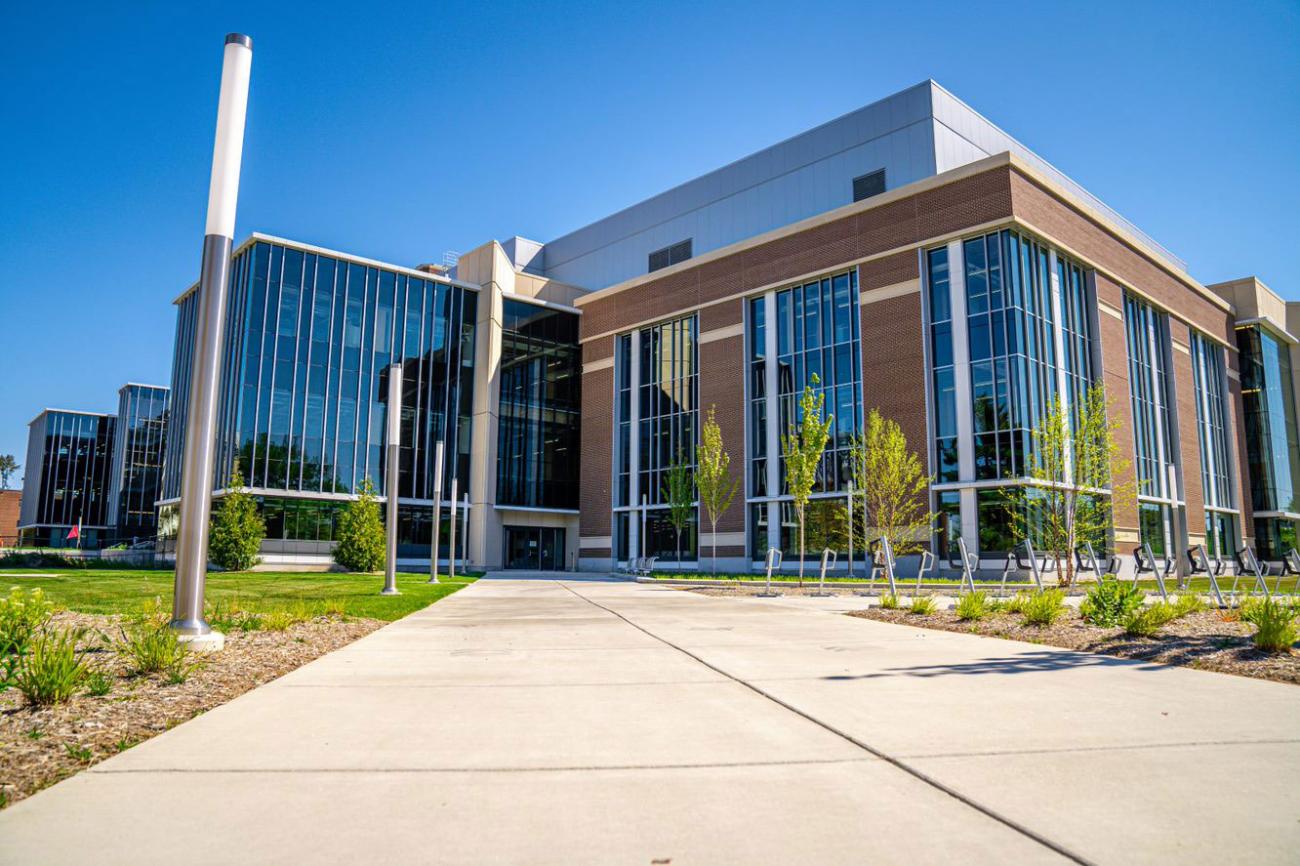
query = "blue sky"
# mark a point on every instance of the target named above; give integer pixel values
(400, 132)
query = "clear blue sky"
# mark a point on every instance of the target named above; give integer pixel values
(401, 132)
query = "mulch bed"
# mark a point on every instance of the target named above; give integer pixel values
(40, 746)
(1201, 640)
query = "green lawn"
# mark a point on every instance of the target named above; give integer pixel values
(112, 590)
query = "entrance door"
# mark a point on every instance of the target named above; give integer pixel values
(535, 548)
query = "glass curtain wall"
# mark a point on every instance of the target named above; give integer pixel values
(309, 338)
(1272, 449)
(815, 335)
(1212, 432)
(1151, 392)
(1029, 338)
(76, 453)
(541, 371)
(656, 423)
(137, 461)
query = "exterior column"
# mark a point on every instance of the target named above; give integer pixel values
(633, 446)
(773, 422)
(961, 379)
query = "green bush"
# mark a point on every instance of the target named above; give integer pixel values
(151, 649)
(1187, 604)
(99, 683)
(1045, 608)
(1109, 602)
(360, 535)
(1146, 621)
(973, 606)
(22, 614)
(237, 528)
(889, 601)
(1274, 621)
(54, 668)
(1018, 602)
(923, 605)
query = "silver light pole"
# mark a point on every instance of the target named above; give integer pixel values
(464, 536)
(437, 513)
(198, 457)
(392, 474)
(451, 538)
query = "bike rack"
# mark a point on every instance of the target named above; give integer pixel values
(1013, 561)
(885, 554)
(927, 563)
(1139, 553)
(1252, 564)
(773, 561)
(829, 558)
(969, 563)
(1198, 554)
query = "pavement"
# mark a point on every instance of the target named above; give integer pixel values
(574, 722)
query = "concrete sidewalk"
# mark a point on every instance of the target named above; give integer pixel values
(588, 722)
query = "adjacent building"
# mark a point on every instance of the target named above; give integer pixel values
(135, 482)
(67, 478)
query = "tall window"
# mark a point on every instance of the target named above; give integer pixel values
(817, 336)
(1272, 447)
(657, 419)
(537, 452)
(1212, 431)
(1025, 312)
(1150, 388)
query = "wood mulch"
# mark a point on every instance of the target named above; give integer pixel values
(41, 745)
(1210, 640)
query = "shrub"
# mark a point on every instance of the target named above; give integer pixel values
(1146, 621)
(973, 606)
(99, 683)
(278, 620)
(228, 616)
(156, 649)
(1109, 602)
(1187, 604)
(1274, 621)
(1045, 608)
(923, 605)
(1018, 602)
(360, 535)
(237, 528)
(889, 601)
(53, 670)
(22, 615)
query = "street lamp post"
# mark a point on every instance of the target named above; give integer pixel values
(392, 473)
(198, 457)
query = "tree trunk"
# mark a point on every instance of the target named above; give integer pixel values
(801, 548)
(679, 550)
(713, 529)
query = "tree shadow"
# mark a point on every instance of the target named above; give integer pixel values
(1026, 663)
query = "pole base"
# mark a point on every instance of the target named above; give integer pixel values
(390, 592)
(213, 641)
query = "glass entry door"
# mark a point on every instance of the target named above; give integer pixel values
(535, 548)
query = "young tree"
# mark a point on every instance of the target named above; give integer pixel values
(802, 448)
(237, 528)
(8, 466)
(1075, 459)
(713, 477)
(891, 489)
(361, 543)
(679, 491)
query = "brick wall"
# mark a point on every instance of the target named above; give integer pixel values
(10, 500)
(1188, 436)
(1115, 381)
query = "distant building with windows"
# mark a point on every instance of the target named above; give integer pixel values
(66, 480)
(135, 482)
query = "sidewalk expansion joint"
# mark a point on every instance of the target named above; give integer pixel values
(915, 772)
(289, 771)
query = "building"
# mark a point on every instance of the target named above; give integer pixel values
(909, 255)
(69, 456)
(310, 334)
(138, 444)
(10, 508)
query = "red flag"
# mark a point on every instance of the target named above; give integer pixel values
(74, 533)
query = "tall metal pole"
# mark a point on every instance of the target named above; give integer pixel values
(391, 475)
(437, 512)
(198, 457)
(451, 538)
(464, 536)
